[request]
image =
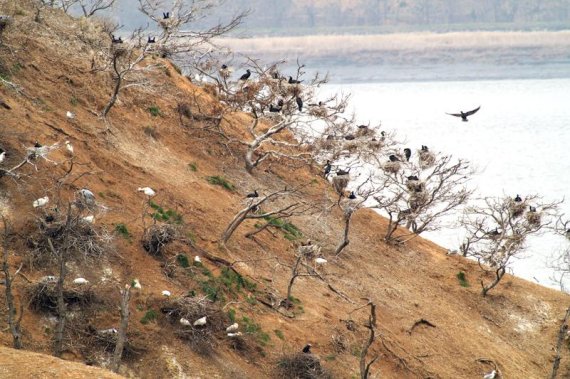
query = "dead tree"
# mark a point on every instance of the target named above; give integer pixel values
(371, 326)
(90, 7)
(561, 260)
(562, 334)
(497, 230)
(14, 319)
(417, 195)
(122, 332)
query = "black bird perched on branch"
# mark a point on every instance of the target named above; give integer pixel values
(116, 40)
(393, 158)
(352, 196)
(224, 67)
(518, 199)
(407, 153)
(246, 75)
(349, 137)
(328, 168)
(293, 81)
(531, 208)
(37, 145)
(307, 349)
(413, 177)
(151, 40)
(342, 172)
(464, 115)
(166, 15)
(299, 102)
(274, 109)
(425, 148)
(253, 194)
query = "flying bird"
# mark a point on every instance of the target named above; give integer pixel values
(464, 115)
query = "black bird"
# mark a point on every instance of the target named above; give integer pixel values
(349, 137)
(275, 75)
(518, 199)
(224, 67)
(413, 177)
(293, 81)
(531, 208)
(408, 153)
(166, 15)
(393, 158)
(425, 148)
(464, 115)
(37, 145)
(280, 102)
(299, 102)
(49, 218)
(246, 75)
(274, 109)
(494, 232)
(362, 126)
(307, 349)
(151, 40)
(342, 172)
(253, 194)
(352, 196)
(328, 168)
(116, 40)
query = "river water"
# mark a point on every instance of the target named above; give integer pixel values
(519, 141)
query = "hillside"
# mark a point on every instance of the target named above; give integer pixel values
(49, 64)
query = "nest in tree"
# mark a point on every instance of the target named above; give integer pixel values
(375, 145)
(427, 159)
(415, 186)
(42, 297)
(418, 199)
(157, 237)
(301, 366)
(392, 167)
(200, 338)
(309, 251)
(352, 146)
(339, 183)
(363, 132)
(516, 208)
(318, 111)
(93, 341)
(533, 218)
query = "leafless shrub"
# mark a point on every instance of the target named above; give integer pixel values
(157, 237)
(301, 366)
(201, 339)
(340, 182)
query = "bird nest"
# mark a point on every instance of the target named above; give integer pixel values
(201, 339)
(418, 199)
(516, 208)
(363, 132)
(309, 251)
(42, 297)
(318, 111)
(533, 218)
(352, 146)
(375, 145)
(427, 159)
(392, 167)
(157, 237)
(339, 183)
(301, 366)
(415, 186)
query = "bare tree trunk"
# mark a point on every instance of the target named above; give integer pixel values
(237, 220)
(12, 322)
(498, 276)
(114, 97)
(561, 336)
(61, 307)
(294, 275)
(122, 333)
(365, 367)
(345, 241)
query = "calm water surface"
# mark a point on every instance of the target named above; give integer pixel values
(519, 140)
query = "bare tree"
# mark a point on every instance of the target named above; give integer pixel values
(498, 229)
(122, 332)
(14, 320)
(371, 326)
(90, 7)
(562, 334)
(561, 260)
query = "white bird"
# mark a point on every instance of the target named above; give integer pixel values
(197, 259)
(2, 156)
(70, 115)
(89, 219)
(40, 202)
(452, 252)
(107, 331)
(232, 335)
(80, 281)
(184, 322)
(136, 284)
(233, 327)
(320, 261)
(200, 321)
(147, 191)
(491, 375)
(87, 195)
(166, 293)
(69, 147)
(48, 279)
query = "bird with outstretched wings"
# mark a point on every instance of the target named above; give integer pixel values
(464, 115)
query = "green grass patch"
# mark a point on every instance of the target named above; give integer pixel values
(182, 260)
(232, 315)
(123, 231)
(279, 334)
(291, 231)
(227, 284)
(255, 329)
(150, 316)
(222, 182)
(462, 279)
(169, 216)
(330, 358)
(154, 111)
(73, 101)
(192, 166)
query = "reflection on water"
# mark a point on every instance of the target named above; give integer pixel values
(518, 140)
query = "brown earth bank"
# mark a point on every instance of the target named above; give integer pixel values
(515, 326)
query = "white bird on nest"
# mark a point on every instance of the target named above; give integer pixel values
(185, 322)
(87, 196)
(233, 335)
(166, 293)
(200, 322)
(89, 219)
(136, 284)
(42, 201)
(197, 259)
(69, 147)
(80, 281)
(70, 115)
(233, 327)
(107, 331)
(320, 261)
(491, 375)
(147, 191)
(2, 155)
